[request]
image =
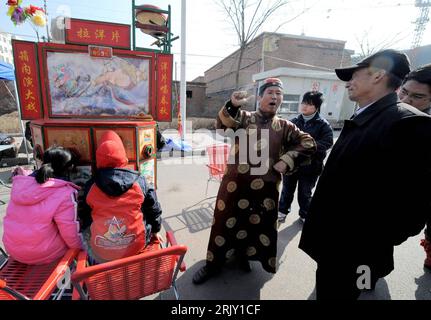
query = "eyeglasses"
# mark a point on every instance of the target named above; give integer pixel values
(413, 95)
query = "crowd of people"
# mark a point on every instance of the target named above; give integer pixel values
(379, 170)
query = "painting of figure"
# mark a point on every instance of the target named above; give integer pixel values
(76, 139)
(80, 85)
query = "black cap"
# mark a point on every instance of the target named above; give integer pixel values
(395, 62)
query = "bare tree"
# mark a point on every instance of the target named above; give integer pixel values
(367, 46)
(247, 18)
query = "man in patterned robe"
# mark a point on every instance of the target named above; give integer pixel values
(263, 148)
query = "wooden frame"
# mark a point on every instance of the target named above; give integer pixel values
(72, 87)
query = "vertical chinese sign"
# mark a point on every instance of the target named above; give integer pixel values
(27, 78)
(164, 87)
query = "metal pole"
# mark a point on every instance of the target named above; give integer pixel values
(183, 68)
(46, 19)
(133, 25)
(24, 140)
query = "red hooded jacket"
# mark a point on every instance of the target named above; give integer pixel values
(116, 200)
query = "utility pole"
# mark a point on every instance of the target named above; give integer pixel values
(421, 22)
(46, 19)
(183, 69)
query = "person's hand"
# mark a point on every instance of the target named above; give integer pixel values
(158, 236)
(20, 171)
(239, 98)
(281, 167)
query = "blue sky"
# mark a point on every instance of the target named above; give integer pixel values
(210, 37)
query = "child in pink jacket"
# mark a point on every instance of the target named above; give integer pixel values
(41, 219)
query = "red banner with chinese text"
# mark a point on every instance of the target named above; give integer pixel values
(27, 79)
(164, 87)
(98, 33)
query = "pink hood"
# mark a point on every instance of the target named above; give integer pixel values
(41, 220)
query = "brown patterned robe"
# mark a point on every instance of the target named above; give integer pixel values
(245, 217)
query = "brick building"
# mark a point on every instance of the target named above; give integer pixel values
(196, 100)
(270, 51)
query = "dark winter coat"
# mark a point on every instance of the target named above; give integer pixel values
(322, 133)
(374, 190)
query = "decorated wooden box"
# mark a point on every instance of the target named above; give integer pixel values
(73, 92)
(83, 138)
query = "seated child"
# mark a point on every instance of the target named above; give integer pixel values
(41, 219)
(118, 205)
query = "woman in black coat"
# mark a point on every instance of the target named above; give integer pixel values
(306, 176)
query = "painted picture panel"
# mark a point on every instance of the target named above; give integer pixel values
(147, 170)
(146, 137)
(76, 138)
(80, 85)
(37, 136)
(127, 137)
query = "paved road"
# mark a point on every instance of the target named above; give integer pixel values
(182, 186)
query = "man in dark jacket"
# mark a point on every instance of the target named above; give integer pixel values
(118, 205)
(373, 192)
(416, 91)
(311, 122)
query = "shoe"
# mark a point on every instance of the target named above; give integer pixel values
(281, 217)
(245, 265)
(427, 247)
(203, 274)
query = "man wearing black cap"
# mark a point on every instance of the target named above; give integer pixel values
(372, 194)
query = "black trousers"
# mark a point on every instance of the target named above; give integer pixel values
(336, 281)
(305, 184)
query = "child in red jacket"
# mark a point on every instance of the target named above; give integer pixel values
(119, 206)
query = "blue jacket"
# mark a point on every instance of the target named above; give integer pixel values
(322, 133)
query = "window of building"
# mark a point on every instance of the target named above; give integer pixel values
(290, 103)
(189, 94)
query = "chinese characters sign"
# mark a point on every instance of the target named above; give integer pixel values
(27, 77)
(100, 52)
(164, 87)
(98, 33)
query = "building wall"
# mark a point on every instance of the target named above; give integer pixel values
(6, 48)
(304, 53)
(278, 50)
(196, 105)
(221, 77)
